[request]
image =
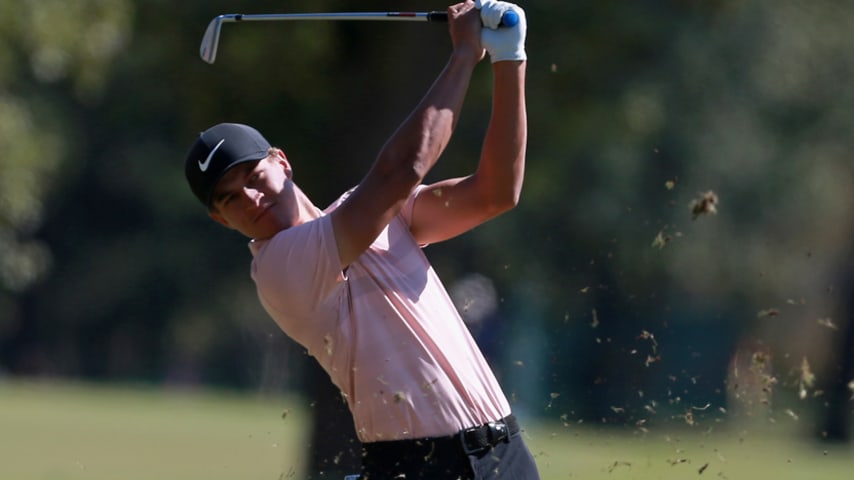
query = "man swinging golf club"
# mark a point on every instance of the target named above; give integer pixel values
(351, 283)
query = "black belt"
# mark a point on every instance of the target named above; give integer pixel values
(382, 455)
(488, 435)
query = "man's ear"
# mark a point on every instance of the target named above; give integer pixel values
(219, 219)
(279, 157)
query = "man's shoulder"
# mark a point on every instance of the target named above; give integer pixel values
(337, 203)
(297, 262)
(305, 236)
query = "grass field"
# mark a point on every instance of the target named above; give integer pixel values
(69, 431)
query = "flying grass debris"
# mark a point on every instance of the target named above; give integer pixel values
(654, 357)
(662, 238)
(807, 379)
(706, 203)
(618, 463)
(827, 322)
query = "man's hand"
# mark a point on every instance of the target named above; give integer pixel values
(465, 29)
(502, 43)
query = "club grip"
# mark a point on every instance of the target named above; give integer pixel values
(509, 19)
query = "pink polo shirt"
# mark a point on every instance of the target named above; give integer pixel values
(385, 330)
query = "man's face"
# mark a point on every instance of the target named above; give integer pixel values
(257, 199)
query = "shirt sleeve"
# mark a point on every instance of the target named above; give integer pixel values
(409, 206)
(298, 274)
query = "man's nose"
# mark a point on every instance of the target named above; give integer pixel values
(252, 195)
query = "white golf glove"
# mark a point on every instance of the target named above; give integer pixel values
(502, 43)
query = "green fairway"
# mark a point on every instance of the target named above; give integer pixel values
(74, 432)
(592, 454)
(58, 431)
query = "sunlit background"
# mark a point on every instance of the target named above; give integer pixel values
(681, 263)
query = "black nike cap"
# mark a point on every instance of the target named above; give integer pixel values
(217, 150)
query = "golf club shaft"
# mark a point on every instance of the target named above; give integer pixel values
(399, 16)
(210, 42)
(510, 19)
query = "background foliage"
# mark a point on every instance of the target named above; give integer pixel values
(603, 297)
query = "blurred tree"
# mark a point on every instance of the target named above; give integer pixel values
(834, 423)
(109, 268)
(637, 113)
(46, 48)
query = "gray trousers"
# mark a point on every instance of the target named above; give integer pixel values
(445, 458)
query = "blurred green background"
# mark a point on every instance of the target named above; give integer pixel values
(133, 433)
(612, 298)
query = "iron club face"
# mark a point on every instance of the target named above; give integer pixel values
(210, 40)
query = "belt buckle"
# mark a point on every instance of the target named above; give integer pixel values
(498, 431)
(494, 432)
(464, 441)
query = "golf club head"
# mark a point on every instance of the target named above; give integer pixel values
(210, 41)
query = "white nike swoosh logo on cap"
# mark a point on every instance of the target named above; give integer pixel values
(204, 166)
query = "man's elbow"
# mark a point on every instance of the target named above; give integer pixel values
(393, 172)
(506, 201)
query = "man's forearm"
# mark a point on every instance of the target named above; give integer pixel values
(503, 155)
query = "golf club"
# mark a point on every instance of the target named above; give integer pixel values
(210, 41)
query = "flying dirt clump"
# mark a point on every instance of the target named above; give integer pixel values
(706, 203)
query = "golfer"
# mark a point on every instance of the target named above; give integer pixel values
(351, 283)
